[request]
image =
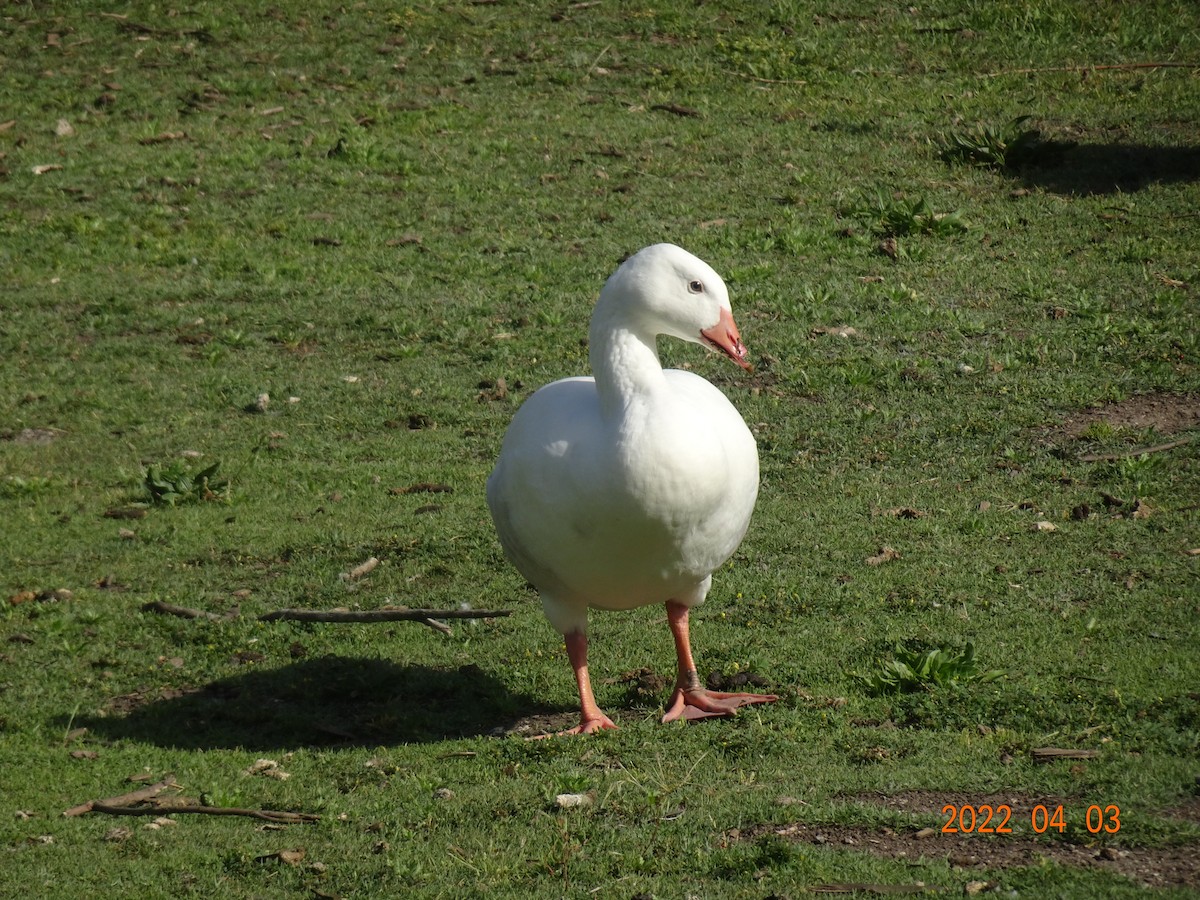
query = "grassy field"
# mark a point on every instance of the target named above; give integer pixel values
(328, 249)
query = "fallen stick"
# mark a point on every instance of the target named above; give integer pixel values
(1137, 451)
(1048, 754)
(146, 793)
(183, 612)
(269, 815)
(1100, 68)
(379, 615)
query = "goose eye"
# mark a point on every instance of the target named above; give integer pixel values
(696, 287)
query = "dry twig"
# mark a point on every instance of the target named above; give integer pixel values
(138, 796)
(268, 815)
(427, 617)
(183, 612)
(1099, 68)
(1136, 451)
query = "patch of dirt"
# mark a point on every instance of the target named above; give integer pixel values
(124, 704)
(1165, 413)
(539, 725)
(1188, 811)
(1176, 866)
(36, 437)
(1151, 867)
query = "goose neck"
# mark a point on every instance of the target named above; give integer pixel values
(624, 362)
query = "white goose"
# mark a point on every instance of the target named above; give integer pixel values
(631, 487)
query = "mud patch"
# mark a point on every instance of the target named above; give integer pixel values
(1150, 867)
(540, 725)
(34, 437)
(1164, 413)
(1175, 866)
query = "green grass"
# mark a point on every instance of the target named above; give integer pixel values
(371, 214)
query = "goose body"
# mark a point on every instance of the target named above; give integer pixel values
(631, 486)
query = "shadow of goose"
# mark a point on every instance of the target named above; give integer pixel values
(332, 701)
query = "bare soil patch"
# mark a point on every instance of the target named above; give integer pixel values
(1151, 867)
(1165, 413)
(1173, 866)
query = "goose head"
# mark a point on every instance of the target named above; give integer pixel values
(663, 289)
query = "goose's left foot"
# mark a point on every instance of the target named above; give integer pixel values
(691, 699)
(701, 704)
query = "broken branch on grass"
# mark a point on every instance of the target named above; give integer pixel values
(183, 612)
(424, 616)
(1099, 68)
(388, 614)
(138, 796)
(1049, 754)
(762, 80)
(268, 815)
(1137, 451)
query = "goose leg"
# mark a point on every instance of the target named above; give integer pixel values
(691, 700)
(591, 719)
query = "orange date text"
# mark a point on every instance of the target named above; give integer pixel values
(988, 819)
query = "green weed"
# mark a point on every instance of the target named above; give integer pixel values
(1008, 146)
(917, 670)
(895, 216)
(177, 483)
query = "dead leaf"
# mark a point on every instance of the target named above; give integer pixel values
(84, 754)
(404, 240)
(288, 857)
(116, 835)
(1142, 509)
(42, 170)
(63, 128)
(422, 487)
(1042, 525)
(361, 569)
(842, 331)
(678, 109)
(885, 555)
(268, 768)
(164, 137)
(904, 512)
